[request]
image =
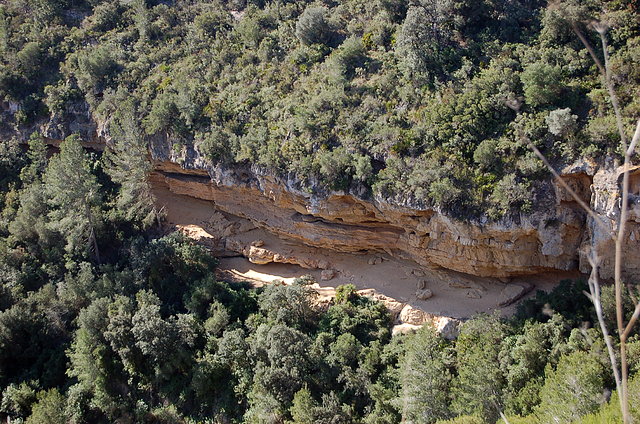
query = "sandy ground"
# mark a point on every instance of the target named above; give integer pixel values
(455, 294)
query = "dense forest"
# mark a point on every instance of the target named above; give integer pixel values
(104, 318)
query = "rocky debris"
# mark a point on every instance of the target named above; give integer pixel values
(375, 261)
(474, 294)
(460, 285)
(196, 233)
(418, 272)
(218, 224)
(475, 288)
(322, 263)
(424, 294)
(513, 292)
(233, 245)
(404, 328)
(327, 274)
(258, 255)
(445, 326)
(423, 284)
(412, 315)
(257, 243)
(448, 328)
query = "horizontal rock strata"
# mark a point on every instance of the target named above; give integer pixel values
(344, 223)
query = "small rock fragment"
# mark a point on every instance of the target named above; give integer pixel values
(418, 272)
(404, 328)
(327, 274)
(323, 264)
(474, 294)
(257, 243)
(424, 294)
(460, 285)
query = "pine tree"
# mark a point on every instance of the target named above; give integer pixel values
(128, 165)
(425, 378)
(37, 155)
(74, 197)
(29, 224)
(478, 388)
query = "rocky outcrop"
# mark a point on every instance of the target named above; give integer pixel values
(76, 118)
(605, 200)
(558, 235)
(539, 242)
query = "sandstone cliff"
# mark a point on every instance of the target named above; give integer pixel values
(556, 236)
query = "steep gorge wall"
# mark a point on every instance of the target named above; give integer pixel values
(558, 235)
(543, 241)
(342, 222)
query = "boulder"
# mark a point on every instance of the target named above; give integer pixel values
(327, 274)
(513, 292)
(424, 294)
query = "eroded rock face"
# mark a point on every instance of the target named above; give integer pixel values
(606, 202)
(559, 235)
(344, 223)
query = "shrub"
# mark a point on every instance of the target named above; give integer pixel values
(30, 59)
(346, 293)
(335, 168)
(443, 192)
(510, 193)
(425, 42)
(49, 409)
(350, 56)
(485, 154)
(312, 26)
(561, 122)
(542, 84)
(96, 68)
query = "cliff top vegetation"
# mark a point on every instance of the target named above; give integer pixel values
(427, 102)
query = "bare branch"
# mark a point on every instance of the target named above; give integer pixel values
(594, 288)
(633, 297)
(621, 375)
(634, 141)
(589, 47)
(631, 323)
(504, 418)
(610, 88)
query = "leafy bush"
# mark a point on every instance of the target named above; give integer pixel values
(444, 192)
(312, 26)
(561, 122)
(542, 84)
(509, 194)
